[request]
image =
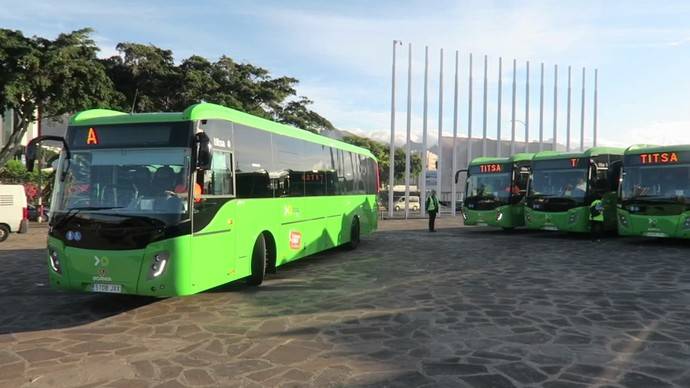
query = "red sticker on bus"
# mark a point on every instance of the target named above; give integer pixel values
(295, 240)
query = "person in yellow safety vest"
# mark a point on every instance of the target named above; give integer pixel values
(596, 218)
(432, 208)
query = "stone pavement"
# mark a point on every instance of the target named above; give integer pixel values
(464, 307)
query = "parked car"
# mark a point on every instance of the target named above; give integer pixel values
(33, 213)
(413, 203)
(13, 211)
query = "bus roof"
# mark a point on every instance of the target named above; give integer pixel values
(594, 151)
(519, 157)
(647, 148)
(207, 111)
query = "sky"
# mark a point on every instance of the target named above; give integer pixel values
(342, 51)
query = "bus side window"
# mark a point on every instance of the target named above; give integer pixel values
(218, 180)
(253, 164)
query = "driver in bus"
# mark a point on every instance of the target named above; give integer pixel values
(581, 186)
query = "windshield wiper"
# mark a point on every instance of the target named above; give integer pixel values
(156, 223)
(656, 199)
(71, 213)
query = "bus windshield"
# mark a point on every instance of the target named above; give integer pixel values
(559, 183)
(493, 187)
(658, 183)
(135, 182)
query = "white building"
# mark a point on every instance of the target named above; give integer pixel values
(8, 120)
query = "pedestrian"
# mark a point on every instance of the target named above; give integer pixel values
(432, 208)
(596, 219)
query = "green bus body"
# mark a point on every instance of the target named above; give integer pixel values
(596, 171)
(507, 211)
(297, 214)
(655, 191)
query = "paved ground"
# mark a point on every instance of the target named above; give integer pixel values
(461, 307)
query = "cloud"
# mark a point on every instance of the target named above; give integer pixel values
(659, 133)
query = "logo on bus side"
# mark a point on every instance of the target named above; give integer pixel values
(295, 240)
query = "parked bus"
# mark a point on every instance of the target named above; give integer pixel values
(566, 189)
(176, 203)
(655, 192)
(495, 189)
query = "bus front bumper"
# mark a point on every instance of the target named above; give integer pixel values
(156, 270)
(508, 216)
(675, 226)
(574, 220)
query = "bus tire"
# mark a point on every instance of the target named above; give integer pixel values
(4, 232)
(354, 234)
(259, 262)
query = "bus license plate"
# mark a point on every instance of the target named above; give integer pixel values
(549, 227)
(106, 287)
(655, 234)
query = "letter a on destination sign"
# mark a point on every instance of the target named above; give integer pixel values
(91, 137)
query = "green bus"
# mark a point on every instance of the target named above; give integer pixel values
(654, 193)
(565, 186)
(168, 204)
(495, 190)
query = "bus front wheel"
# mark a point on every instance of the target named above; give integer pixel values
(354, 234)
(259, 262)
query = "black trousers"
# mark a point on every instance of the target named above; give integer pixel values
(432, 220)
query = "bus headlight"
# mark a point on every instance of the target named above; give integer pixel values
(54, 260)
(623, 220)
(158, 264)
(464, 216)
(686, 224)
(499, 216)
(572, 218)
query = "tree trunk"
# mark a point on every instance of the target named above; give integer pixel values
(13, 142)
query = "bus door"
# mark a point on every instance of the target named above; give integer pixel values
(214, 223)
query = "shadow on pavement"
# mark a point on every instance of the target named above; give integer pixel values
(27, 303)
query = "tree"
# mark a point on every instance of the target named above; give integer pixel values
(40, 77)
(382, 152)
(150, 74)
(146, 76)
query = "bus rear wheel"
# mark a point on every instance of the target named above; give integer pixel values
(4, 232)
(259, 262)
(354, 234)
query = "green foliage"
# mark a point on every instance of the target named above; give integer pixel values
(14, 171)
(50, 78)
(150, 74)
(382, 152)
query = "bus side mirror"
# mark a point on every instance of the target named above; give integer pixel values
(457, 174)
(204, 154)
(31, 149)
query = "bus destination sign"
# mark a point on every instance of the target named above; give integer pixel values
(659, 158)
(489, 168)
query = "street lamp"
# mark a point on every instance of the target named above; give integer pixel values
(391, 168)
(524, 125)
